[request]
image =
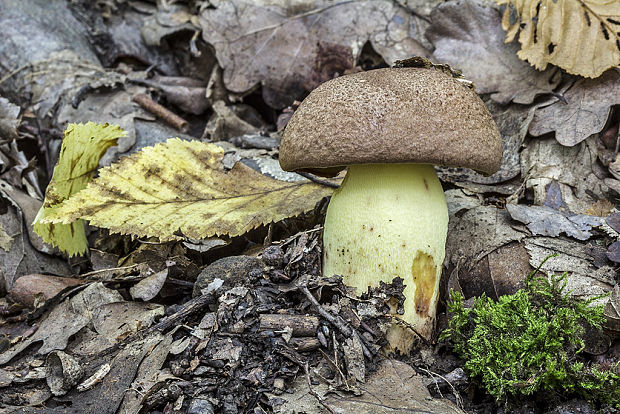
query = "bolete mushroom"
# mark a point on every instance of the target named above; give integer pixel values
(389, 217)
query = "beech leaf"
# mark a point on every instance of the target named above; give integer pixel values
(82, 148)
(181, 188)
(580, 36)
(585, 111)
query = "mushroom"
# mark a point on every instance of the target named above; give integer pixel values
(389, 217)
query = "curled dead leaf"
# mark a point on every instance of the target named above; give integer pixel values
(582, 37)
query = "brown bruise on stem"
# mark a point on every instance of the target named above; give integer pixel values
(424, 273)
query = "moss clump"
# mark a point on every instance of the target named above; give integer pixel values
(529, 342)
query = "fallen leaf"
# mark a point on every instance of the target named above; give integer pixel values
(65, 320)
(149, 287)
(544, 161)
(114, 321)
(45, 52)
(9, 119)
(587, 108)
(124, 39)
(181, 186)
(227, 122)
(478, 232)
(458, 201)
(275, 42)
(545, 221)
(613, 253)
(148, 374)
(63, 372)
(394, 387)
(29, 289)
(5, 239)
(581, 37)
(106, 397)
(613, 221)
(477, 245)
(22, 258)
(115, 108)
(586, 280)
(469, 37)
(28, 207)
(166, 21)
(354, 360)
(82, 148)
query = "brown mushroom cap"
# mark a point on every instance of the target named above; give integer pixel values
(396, 115)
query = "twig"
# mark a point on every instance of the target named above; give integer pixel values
(158, 110)
(317, 180)
(79, 96)
(410, 327)
(294, 237)
(341, 325)
(457, 396)
(336, 367)
(314, 393)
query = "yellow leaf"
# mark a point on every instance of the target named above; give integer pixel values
(181, 188)
(82, 148)
(580, 36)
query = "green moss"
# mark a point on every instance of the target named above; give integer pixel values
(530, 342)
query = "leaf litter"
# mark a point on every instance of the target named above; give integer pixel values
(244, 322)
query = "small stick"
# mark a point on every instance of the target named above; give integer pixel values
(314, 393)
(335, 366)
(342, 326)
(318, 180)
(301, 325)
(158, 110)
(457, 396)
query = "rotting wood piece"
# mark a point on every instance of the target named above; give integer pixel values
(301, 325)
(305, 343)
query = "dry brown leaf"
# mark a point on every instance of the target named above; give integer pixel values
(469, 37)
(587, 108)
(21, 258)
(394, 387)
(276, 42)
(181, 188)
(586, 279)
(5, 239)
(65, 320)
(9, 119)
(562, 177)
(580, 36)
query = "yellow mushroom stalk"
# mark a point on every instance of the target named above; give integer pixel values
(388, 221)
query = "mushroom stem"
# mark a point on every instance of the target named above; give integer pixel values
(387, 221)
